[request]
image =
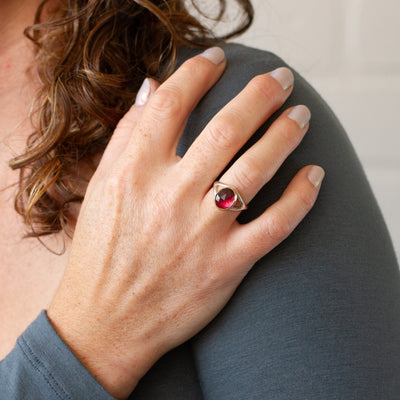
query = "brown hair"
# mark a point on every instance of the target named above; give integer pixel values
(91, 58)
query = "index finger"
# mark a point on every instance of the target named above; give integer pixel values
(165, 115)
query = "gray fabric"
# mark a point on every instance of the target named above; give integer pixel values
(317, 318)
(41, 366)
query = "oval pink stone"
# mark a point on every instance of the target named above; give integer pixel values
(224, 198)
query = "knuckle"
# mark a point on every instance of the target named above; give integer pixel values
(162, 211)
(197, 70)
(120, 178)
(212, 276)
(278, 226)
(261, 85)
(194, 66)
(166, 104)
(289, 134)
(218, 272)
(249, 174)
(115, 183)
(306, 199)
(189, 65)
(220, 135)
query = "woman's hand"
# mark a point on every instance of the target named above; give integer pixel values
(153, 260)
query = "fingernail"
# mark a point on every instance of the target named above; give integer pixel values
(301, 114)
(284, 76)
(215, 54)
(143, 94)
(316, 175)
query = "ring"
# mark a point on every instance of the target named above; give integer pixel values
(227, 197)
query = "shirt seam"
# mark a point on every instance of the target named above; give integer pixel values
(47, 376)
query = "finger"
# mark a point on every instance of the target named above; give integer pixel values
(259, 163)
(253, 240)
(123, 132)
(166, 114)
(229, 130)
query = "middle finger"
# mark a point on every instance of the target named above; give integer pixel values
(231, 127)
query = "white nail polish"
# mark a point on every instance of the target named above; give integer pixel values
(284, 76)
(316, 175)
(143, 94)
(215, 54)
(301, 114)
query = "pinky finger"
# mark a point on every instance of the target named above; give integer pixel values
(252, 241)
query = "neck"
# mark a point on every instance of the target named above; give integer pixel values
(17, 88)
(15, 49)
(15, 16)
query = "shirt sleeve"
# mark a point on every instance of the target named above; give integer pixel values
(42, 366)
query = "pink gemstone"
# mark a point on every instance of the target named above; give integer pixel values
(224, 198)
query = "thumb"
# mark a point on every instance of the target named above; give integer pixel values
(124, 129)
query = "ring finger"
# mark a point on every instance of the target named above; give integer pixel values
(259, 163)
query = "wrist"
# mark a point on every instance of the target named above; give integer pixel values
(103, 353)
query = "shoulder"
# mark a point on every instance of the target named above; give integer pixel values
(244, 63)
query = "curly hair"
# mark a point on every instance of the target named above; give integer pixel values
(91, 58)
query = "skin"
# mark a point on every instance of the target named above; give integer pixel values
(29, 274)
(137, 282)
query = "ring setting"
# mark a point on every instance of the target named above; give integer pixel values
(227, 197)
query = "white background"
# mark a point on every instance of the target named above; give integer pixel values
(349, 50)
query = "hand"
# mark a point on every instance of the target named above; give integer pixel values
(153, 260)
